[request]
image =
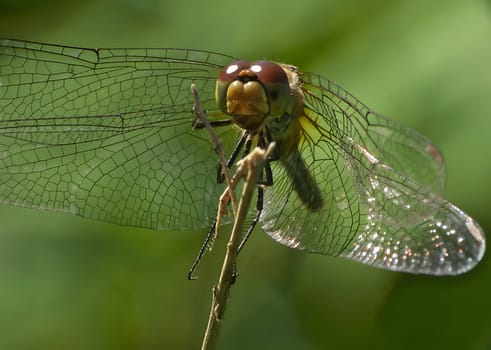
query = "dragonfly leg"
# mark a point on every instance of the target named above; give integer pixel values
(267, 175)
(233, 156)
(259, 209)
(220, 178)
(206, 244)
(265, 180)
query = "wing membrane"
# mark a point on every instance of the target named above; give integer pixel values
(373, 213)
(107, 134)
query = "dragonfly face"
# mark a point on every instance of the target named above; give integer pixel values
(107, 134)
(252, 92)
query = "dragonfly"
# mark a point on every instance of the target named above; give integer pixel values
(111, 134)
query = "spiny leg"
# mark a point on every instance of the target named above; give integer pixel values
(233, 156)
(211, 233)
(265, 180)
(202, 250)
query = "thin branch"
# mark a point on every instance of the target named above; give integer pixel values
(200, 112)
(249, 168)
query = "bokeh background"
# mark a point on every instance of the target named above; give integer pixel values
(70, 283)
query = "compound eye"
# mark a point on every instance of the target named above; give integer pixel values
(276, 84)
(231, 72)
(269, 72)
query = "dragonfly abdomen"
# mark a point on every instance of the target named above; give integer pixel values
(303, 181)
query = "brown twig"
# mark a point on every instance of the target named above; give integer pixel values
(249, 168)
(218, 147)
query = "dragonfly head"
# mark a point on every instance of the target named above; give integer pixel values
(250, 92)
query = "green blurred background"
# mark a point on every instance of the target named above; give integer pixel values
(70, 283)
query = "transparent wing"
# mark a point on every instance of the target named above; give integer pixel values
(396, 145)
(107, 134)
(380, 184)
